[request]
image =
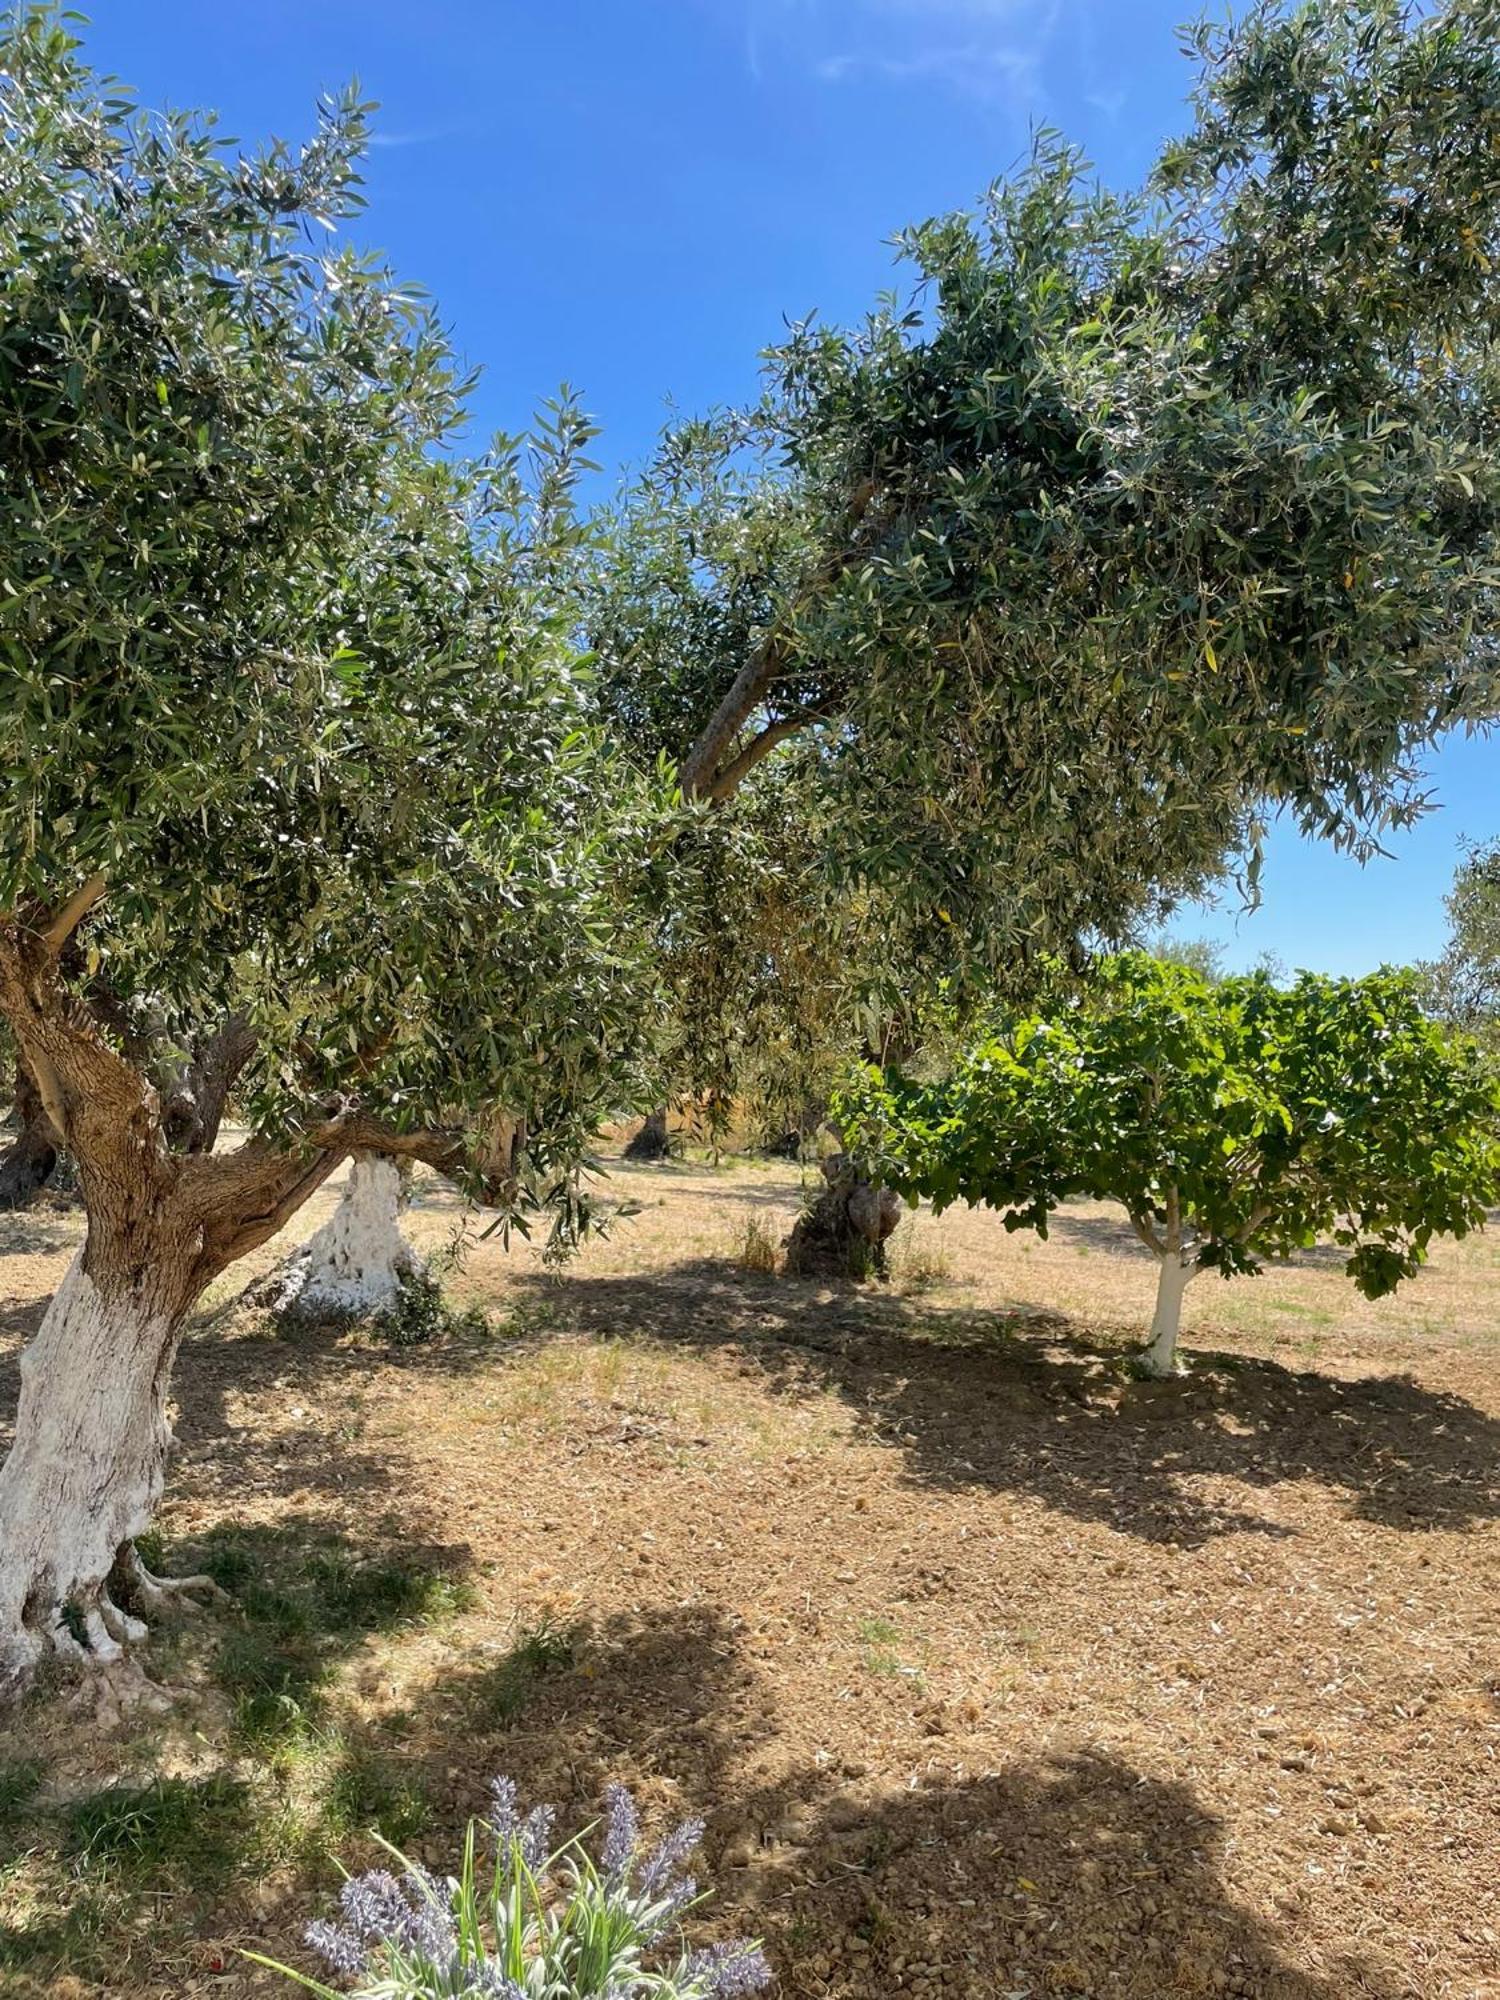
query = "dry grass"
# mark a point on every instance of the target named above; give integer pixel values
(994, 1670)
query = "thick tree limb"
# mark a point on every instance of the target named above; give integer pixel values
(97, 1100)
(746, 691)
(732, 775)
(193, 1107)
(61, 926)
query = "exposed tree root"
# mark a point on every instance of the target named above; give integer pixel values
(166, 1593)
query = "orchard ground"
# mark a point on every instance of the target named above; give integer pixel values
(994, 1670)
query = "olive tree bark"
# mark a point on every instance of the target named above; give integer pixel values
(31, 1159)
(652, 1141)
(355, 1265)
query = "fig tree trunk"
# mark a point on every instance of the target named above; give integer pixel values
(31, 1160)
(1160, 1357)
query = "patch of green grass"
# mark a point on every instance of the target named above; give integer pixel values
(82, 1938)
(371, 1791)
(506, 1692)
(304, 1600)
(279, 1688)
(368, 1596)
(880, 1639)
(19, 1784)
(199, 1828)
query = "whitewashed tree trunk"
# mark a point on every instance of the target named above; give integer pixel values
(1176, 1273)
(353, 1266)
(85, 1473)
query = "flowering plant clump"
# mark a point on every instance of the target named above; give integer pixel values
(538, 1923)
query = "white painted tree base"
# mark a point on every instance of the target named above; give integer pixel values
(1159, 1360)
(84, 1475)
(353, 1267)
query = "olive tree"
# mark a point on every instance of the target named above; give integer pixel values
(290, 738)
(1138, 518)
(1234, 1121)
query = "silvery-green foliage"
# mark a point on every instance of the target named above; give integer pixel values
(287, 671)
(534, 1921)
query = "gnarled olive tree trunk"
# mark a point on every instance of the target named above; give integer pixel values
(354, 1266)
(85, 1473)
(652, 1141)
(843, 1234)
(30, 1161)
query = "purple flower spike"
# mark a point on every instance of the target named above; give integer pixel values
(375, 1906)
(339, 1949)
(729, 1970)
(670, 1856)
(622, 1832)
(535, 1835)
(504, 1813)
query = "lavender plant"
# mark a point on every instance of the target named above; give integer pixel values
(536, 1923)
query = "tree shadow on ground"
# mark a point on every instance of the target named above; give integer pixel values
(1026, 1402)
(265, 1674)
(1066, 1875)
(1069, 1875)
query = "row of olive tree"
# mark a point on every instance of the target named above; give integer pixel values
(1022, 603)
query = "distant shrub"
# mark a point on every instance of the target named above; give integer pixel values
(537, 1923)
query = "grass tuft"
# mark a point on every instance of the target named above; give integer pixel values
(198, 1828)
(754, 1247)
(542, 1650)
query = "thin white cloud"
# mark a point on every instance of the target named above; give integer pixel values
(983, 70)
(429, 137)
(989, 50)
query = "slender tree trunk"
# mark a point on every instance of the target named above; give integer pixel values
(31, 1160)
(354, 1266)
(651, 1142)
(1160, 1357)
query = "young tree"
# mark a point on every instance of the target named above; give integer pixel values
(292, 746)
(1233, 1121)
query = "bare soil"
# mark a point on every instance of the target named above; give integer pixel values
(995, 1671)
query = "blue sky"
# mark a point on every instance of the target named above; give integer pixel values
(632, 195)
